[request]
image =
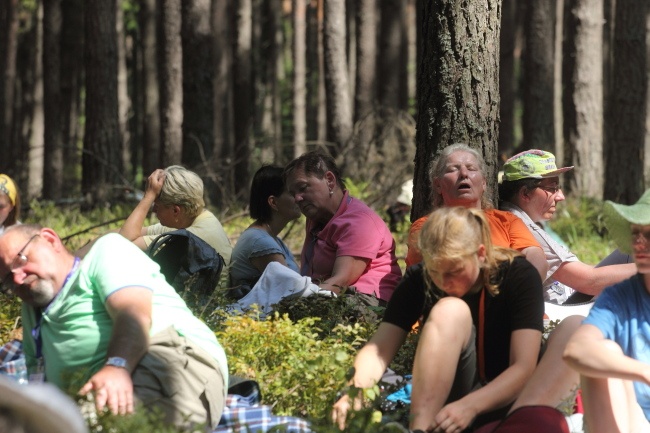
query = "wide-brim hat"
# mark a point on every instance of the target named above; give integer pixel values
(620, 217)
(532, 164)
(42, 406)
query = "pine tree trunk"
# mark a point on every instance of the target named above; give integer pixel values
(71, 77)
(242, 95)
(53, 152)
(624, 153)
(102, 140)
(198, 78)
(37, 127)
(8, 51)
(299, 11)
(223, 152)
(339, 116)
(507, 81)
(458, 87)
(539, 132)
(583, 123)
(152, 145)
(171, 83)
(123, 98)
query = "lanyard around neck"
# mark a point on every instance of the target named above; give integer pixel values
(36, 331)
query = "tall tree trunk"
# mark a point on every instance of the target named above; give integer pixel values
(392, 59)
(299, 12)
(270, 50)
(53, 152)
(123, 98)
(364, 98)
(242, 95)
(351, 42)
(102, 140)
(198, 77)
(8, 51)
(339, 116)
(223, 152)
(558, 116)
(171, 83)
(71, 78)
(507, 81)
(539, 76)
(458, 87)
(316, 109)
(152, 144)
(626, 125)
(583, 123)
(37, 130)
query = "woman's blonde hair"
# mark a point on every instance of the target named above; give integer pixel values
(438, 166)
(455, 233)
(183, 188)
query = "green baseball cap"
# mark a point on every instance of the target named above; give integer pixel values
(534, 163)
(620, 217)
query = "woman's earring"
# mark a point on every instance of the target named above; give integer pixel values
(331, 192)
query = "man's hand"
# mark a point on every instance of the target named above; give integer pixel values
(113, 387)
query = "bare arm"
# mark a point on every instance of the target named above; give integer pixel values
(261, 262)
(347, 270)
(591, 354)
(536, 256)
(590, 280)
(369, 365)
(133, 228)
(130, 309)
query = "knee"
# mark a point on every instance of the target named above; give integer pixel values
(450, 311)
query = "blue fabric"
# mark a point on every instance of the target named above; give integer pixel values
(252, 243)
(622, 313)
(403, 394)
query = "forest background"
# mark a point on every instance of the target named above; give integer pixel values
(97, 94)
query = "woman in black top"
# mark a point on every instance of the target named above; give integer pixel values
(459, 265)
(481, 339)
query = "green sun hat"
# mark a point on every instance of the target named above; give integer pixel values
(533, 163)
(620, 217)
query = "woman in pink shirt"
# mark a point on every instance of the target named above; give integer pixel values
(346, 242)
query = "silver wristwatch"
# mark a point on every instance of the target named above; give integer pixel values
(116, 361)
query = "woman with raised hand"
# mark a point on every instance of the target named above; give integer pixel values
(346, 242)
(176, 194)
(273, 208)
(9, 203)
(458, 179)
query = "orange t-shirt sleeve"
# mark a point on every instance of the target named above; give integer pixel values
(509, 231)
(413, 255)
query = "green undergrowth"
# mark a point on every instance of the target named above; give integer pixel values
(302, 353)
(579, 222)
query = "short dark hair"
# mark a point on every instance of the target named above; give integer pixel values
(315, 163)
(267, 181)
(508, 189)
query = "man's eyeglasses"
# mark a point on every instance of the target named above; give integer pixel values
(551, 189)
(7, 285)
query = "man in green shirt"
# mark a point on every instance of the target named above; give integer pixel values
(113, 320)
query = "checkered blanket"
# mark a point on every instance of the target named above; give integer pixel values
(242, 414)
(11, 354)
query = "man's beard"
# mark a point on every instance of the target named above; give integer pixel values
(41, 294)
